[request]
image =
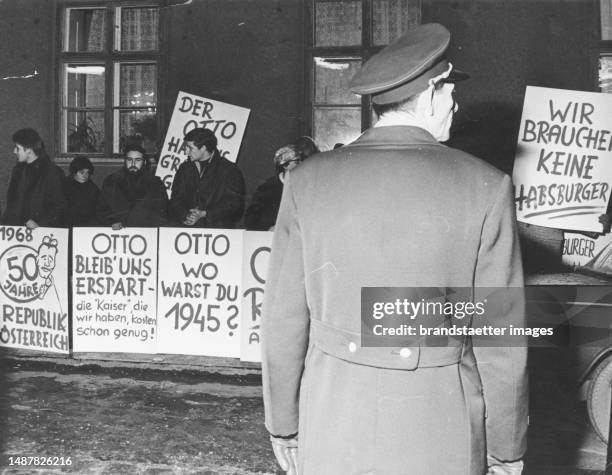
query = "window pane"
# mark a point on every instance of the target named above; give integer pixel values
(85, 29)
(394, 17)
(84, 131)
(84, 85)
(337, 125)
(337, 22)
(606, 19)
(605, 73)
(139, 29)
(332, 77)
(138, 85)
(138, 127)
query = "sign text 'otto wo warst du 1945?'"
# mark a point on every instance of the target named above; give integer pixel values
(563, 166)
(199, 292)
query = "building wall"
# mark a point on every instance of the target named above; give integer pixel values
(248, 53)
(26, 30)
(505, 46)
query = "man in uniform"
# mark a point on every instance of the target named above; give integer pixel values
(395, 208)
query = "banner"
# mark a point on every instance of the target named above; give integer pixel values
(199, 292)
(257, 246)
(114, 290)
(563, 166)
(578, 249)
(34, 282)
(227, 121)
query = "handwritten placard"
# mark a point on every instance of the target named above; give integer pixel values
(227, 121)
(256, 255)
(199, 294)
(114, 290)
(563, 167)
(34, 288)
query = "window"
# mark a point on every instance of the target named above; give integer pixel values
(344, 34)
(109, 69)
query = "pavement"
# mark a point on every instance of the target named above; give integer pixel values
(167, 417)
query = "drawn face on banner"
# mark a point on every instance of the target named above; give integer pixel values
(46, 259)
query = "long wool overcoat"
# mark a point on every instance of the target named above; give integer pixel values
(393, 209)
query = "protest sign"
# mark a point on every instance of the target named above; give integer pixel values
(227, 121)
(256, 245)
(114, 290)
(579, 249)
(563, 166)
(199, 293)
(34, 282)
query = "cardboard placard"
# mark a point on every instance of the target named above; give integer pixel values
(563, 166)
(199, 294)
(227, 121)
(34, 282)
(114, 289)
(257, 247)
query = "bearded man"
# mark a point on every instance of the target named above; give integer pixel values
(133, 196)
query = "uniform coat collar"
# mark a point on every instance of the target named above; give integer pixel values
(394, 135)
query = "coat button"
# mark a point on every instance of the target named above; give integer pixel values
(352, 347)
(405, 353)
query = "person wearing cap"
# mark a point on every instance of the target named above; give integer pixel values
(133, 196)
(394, 208)
(208, 190)
(261, 213)
(35, 195)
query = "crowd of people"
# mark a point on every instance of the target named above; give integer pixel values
(208, 190)
(394, 211)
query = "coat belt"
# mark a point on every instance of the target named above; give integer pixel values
(346, 345)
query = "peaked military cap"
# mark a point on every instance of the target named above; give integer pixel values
(405, 67)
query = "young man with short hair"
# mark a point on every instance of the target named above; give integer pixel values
(35, 196)
(208, 190)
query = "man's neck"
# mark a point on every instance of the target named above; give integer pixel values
(203, 161)
(398, 118)
(31, 160)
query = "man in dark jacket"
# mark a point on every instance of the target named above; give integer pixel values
(133, 196)
(208, 190)
(35, 196)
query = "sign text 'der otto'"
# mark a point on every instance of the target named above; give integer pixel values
(227, 121)
(563, 166)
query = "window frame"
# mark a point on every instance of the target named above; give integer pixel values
(364, 51)
(111, 59)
